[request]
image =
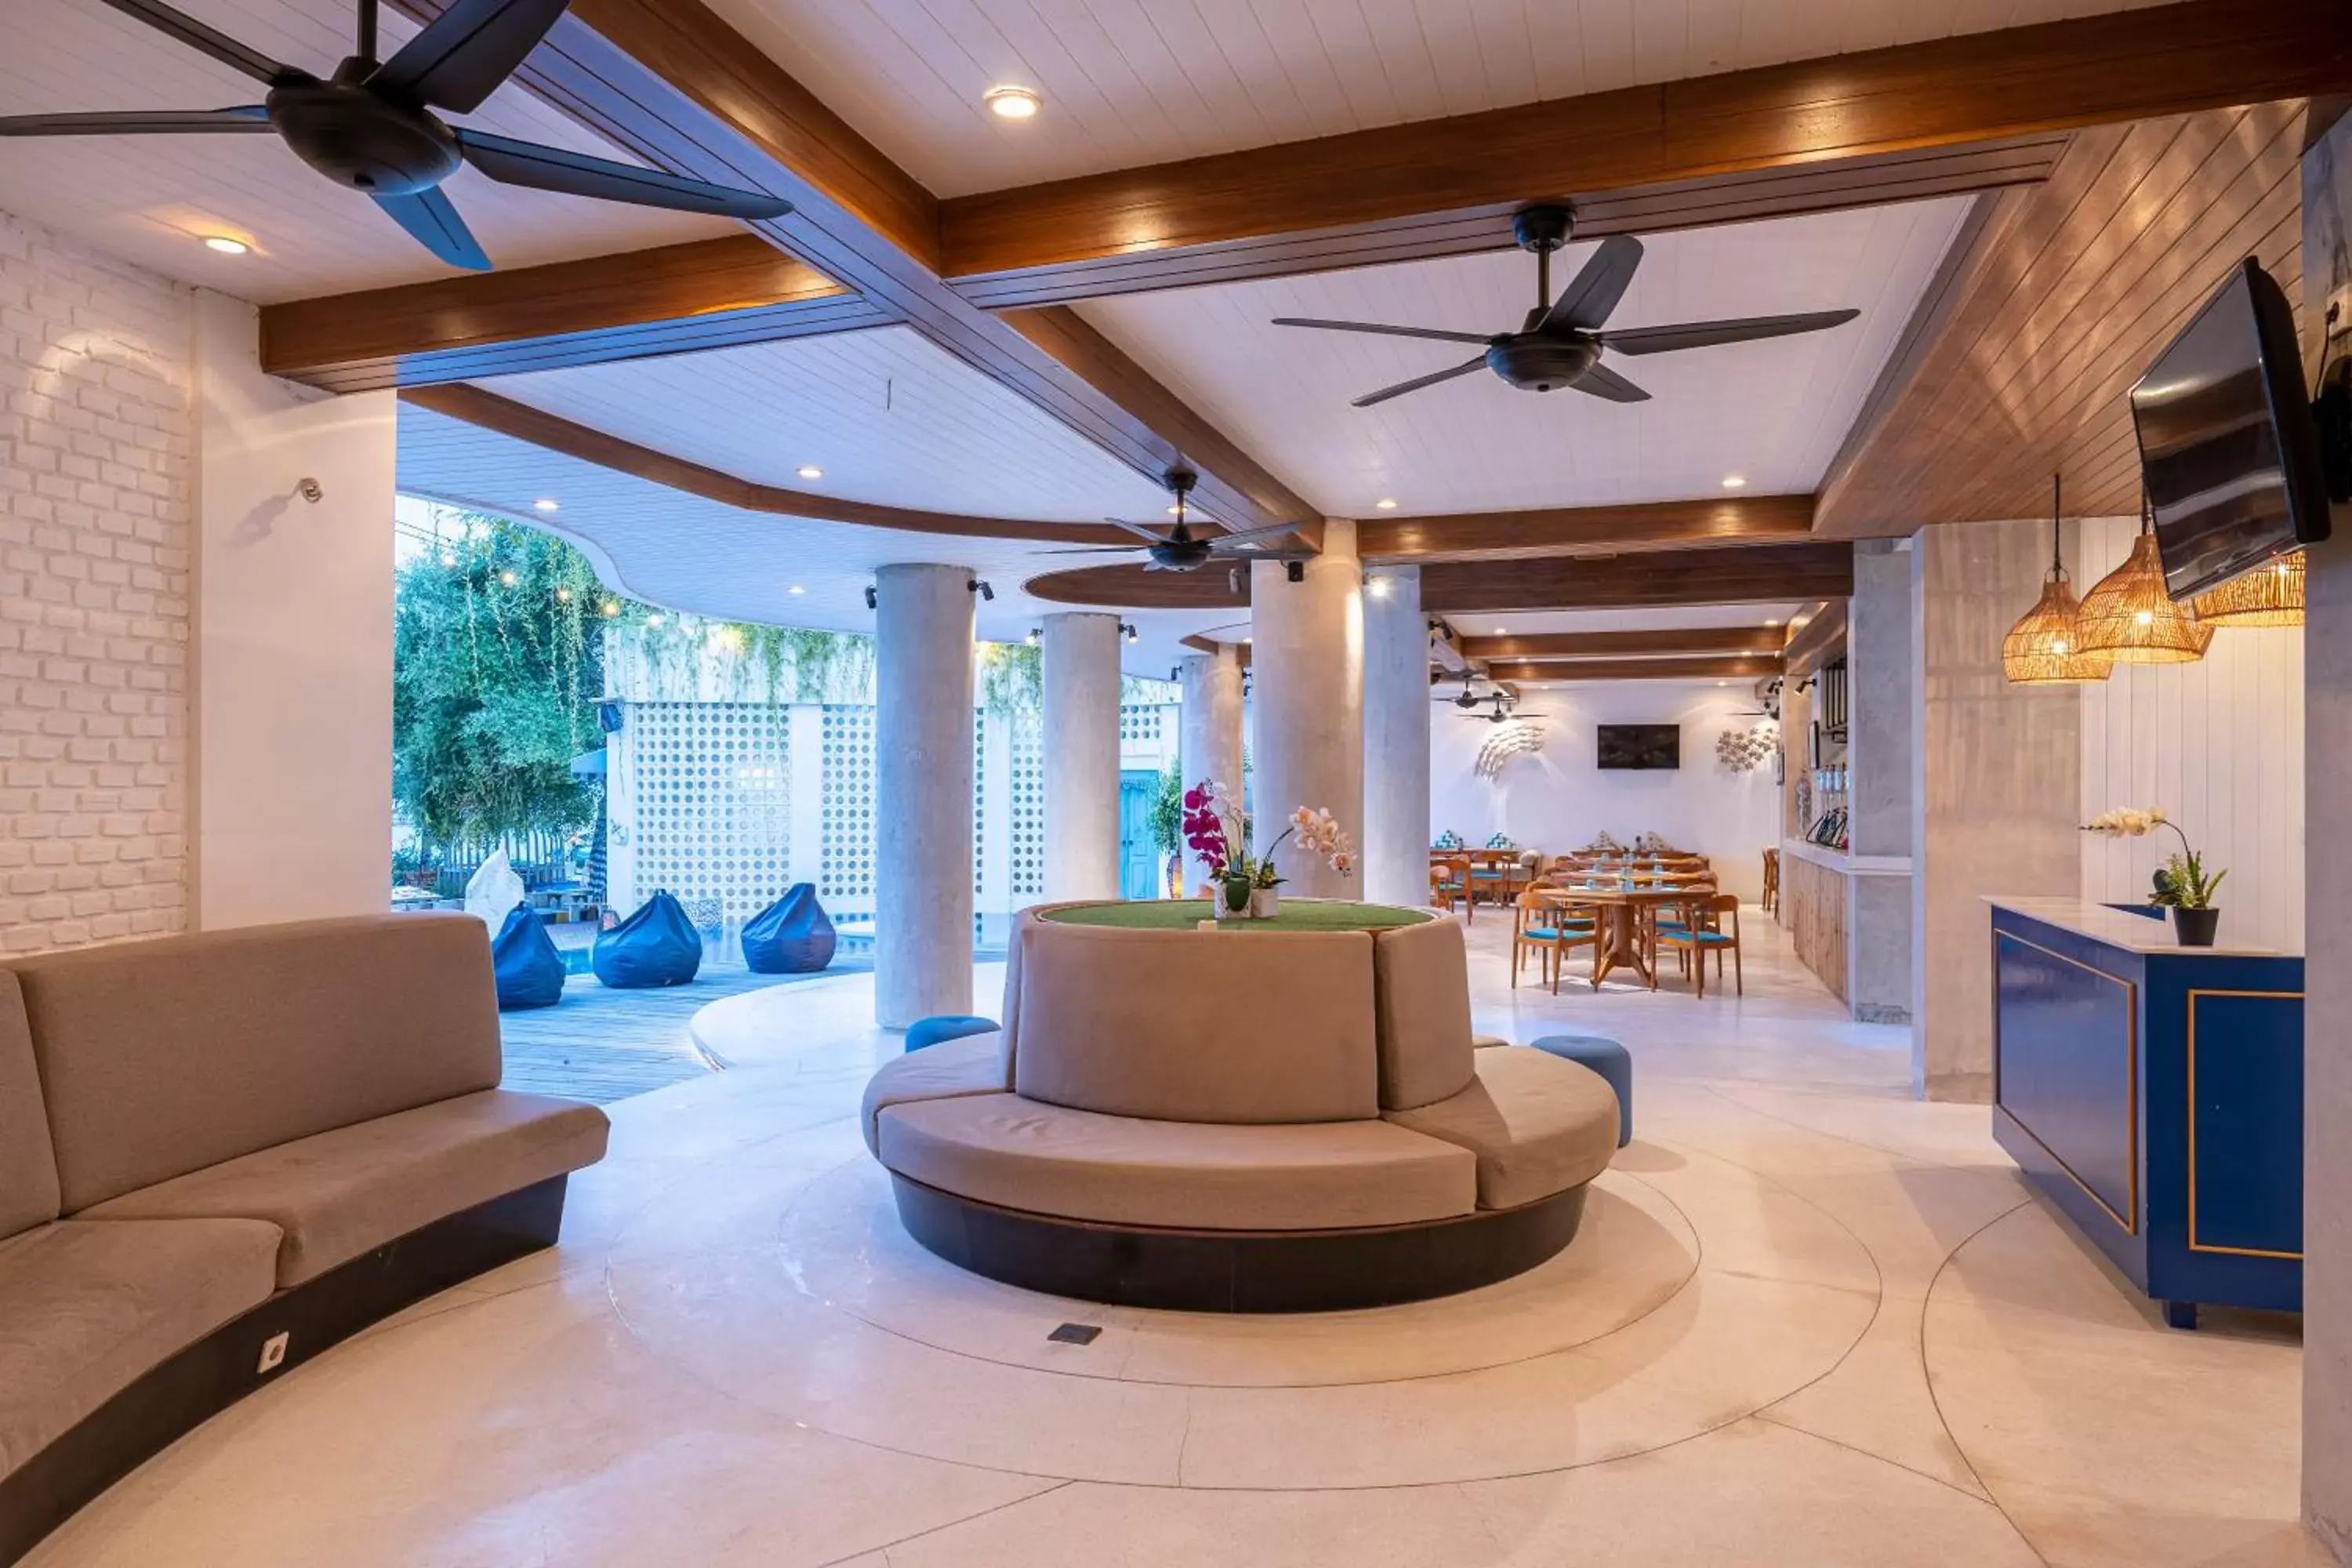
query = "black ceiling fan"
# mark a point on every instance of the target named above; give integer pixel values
(1503, 711)
(1179, 550)
(370, 126)
(1559, 343)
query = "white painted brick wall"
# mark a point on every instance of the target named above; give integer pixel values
(96, 486)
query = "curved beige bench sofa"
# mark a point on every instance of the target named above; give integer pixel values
(1239, 1121)
(220, 1154)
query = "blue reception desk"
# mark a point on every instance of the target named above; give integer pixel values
(2155, 1093)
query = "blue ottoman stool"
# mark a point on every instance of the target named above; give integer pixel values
(1611, 1060)
(945, 1027)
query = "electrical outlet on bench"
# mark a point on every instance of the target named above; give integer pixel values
(273, 1354)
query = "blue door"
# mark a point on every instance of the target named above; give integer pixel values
(1137, 859)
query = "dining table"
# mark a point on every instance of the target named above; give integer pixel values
(1624, 907)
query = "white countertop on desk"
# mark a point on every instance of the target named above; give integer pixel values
(2113, 928)
(1841, 861)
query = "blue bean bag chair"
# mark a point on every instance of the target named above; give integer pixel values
(530, 971)
(792, 936)
(656, 946)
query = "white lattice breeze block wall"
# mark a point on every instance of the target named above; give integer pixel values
(95, 455)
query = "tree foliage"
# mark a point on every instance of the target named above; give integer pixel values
(497, 670)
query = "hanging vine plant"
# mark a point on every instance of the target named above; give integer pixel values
(1011, 677)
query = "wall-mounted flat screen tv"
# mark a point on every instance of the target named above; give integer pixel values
(2229, 448)
(1641, 745)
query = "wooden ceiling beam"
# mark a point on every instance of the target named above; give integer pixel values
(552, 433)
(1821, 638)
(670, 82)
(1660, 643)
(1588, 530)
(1403, 186)
(673, 299)
(1731, 667)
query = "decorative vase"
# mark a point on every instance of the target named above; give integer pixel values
(1234, 899)
(2195, 928)
(1265, 903)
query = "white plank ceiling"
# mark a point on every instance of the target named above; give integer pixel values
(888, 416)
(1126, 82)
(150, 199)
(686, 553)
(1771, 413)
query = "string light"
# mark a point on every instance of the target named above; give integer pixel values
(563, 595)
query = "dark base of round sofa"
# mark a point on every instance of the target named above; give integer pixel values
(1237, 1270)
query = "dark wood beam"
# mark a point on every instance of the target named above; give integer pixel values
(2016, 363)
(1587, 530)
(524, 423)
(1208, 645)
(2020, 82)
(1733, 574)
(674, 299)
(669, 81)
(1666, 643)
(1715, 669)
(1820, 639)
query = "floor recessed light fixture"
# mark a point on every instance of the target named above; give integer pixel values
(227, 245)
(1012, 102)
(1735, 481)
(546, 503)
(1386, 504)
(810, 471)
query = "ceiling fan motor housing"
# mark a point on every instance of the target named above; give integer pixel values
(359, 139)
(1544, 362)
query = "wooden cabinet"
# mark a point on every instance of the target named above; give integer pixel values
(1814, 908)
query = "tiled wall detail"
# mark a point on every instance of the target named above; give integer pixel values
(1028, 785)
(96, 439)
(713, 810)
(846, 879)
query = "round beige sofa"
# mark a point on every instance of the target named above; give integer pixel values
(1261, 1122)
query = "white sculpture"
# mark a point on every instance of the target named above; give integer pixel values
(493, 892)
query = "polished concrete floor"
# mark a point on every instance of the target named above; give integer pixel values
(1810, 1321)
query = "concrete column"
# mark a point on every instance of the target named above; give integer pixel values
(1997, 788)
(1081, 756)
(2328, 923)
(1883, 691)
(922, 793)
(1306, 662)
(1209, 746)
(1396, 738)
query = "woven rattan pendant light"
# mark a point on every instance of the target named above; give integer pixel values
(2045, 647)
(2131, 617)
(2269, 595)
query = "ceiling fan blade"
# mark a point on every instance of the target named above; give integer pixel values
(1601, 382)
(1432, 333)
(435, 224)
(1243, 535)
(1706, 334)
(1138, 529)
(467, 52)
(1095, 550)
(1417, 383)
(138, 123)
(1597, 287)
(210, 40)
(512, 162)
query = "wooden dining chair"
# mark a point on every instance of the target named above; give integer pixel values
(1700, 933)
(1449, 884)
(1539, 922)
(1772, 881)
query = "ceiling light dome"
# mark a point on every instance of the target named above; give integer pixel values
(1012, 102)
(2269, 595)
(2045, 646)
(2132, 616)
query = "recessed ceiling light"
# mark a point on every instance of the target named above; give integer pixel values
(1735, 481)
(1771, 620)
(1175, 511)
(1723, 683)
(1500, 632)
(227, 245)
(545, 503)
(1386, 504)
(796, 588)
(1012, 102)
(810, 471)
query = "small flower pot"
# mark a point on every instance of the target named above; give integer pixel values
(1235, 897)
(2195, 928)
(1265, 903)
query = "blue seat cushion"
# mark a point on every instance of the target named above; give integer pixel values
(1608, 1058)
(945, 1026)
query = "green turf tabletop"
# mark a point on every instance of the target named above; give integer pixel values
(1183, 914)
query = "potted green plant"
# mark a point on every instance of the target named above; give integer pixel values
(2181, 884)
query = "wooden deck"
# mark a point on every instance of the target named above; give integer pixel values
(601, 1045)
